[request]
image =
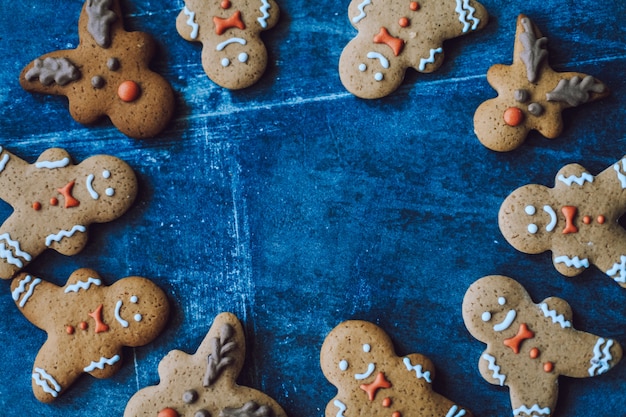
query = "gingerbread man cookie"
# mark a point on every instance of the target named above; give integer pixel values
(531, 96)
(87, 324)
(54, 201)
(400, 34)
(233, 54)
(204, 384)
(530, 345)
(107, 74)
(578, 220)
(358, 358)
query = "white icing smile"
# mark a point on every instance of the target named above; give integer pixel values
(506, 323)
(370, 370)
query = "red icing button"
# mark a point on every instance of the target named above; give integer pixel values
(54, 201)
(601, 219)
(387, 402)
(396, 414)
(548, 367)
(128, 91)
(403, 22)
(168, 412)
(83, 325)
(69, 330)
(586, 219)
(534, 353)
(415, 6)
(225, 4)
(513, 116)
(37, 205)
(569, 212)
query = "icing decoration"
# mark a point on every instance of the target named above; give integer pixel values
(21, 289)
(222, 45)
(404, 22)
(221, 356)
(97, 82)
(620, 172)
(50, 71)
(383, 37)
(61, 163)
(97, 316)
(534, 50)
(101, 363)
(82, 285)
(191, 22)
(532, 229)
(367, 348)
(36, 206)
(234, 21)
(119, 318)
(4, 161)
(113, 64)
(506, 323)
(69, 330)
(466, 13)
(370, 370)
(418, 370)
(535, 109)
(601, 357)
(548, 367)
(431, 58)
(553, 219)
(551, 314)
(576, 262)
(100, 18)
(190, 396)
(379, 383)
(54, 201)
(569, 212)
(343, 365)
(66, 192)
(455, 411)
(601, 219)
(586, 219)
(387, 402)
(168, 412)
(8, 254)
(618, 271)
(521, 95)
(513, 116)
(225, 4)
(494, 368)
(50, 239)
(264, 9)
(83, 325)
(362, 14)
(580, 180)
(384, 62)
(90, 189)
(534, 353)
(128, 91)
(48, 383)
(523, 333)
(530, 210)
(486, 316)
(251, 408)
(575, 91)
(530, 411)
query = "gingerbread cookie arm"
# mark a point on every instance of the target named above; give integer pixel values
(48, 381)
(600, 355)
(533, 401)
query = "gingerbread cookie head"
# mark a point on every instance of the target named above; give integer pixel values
(54, 201)
(531, 96)
(88, 324)
(358, 358)
(400, 34)
(204, 384)
(530, 345)
(233, 53)
(108, 74)
(578, 220)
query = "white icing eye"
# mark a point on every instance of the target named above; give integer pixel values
(225, 62)
(378, 76)
(362, 67)
(502, 301)
(134, 299)
(532, 228)
(106, 174)
(138, 317)
(530, 210)
(367, 348)
(343, 365)
(243, 57)
(110, 192)
(486, 316)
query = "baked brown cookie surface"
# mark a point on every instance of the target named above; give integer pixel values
(204, 384)
(394, 35)
(530, 345)
(358, 358)
(108, 74)
(54, 201)
(531, 95)
(87, 324)
(233, 54)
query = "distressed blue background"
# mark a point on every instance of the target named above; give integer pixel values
(296, 206)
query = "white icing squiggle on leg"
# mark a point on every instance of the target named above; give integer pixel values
(466, 13)
(341, 406)
(82, 285)
(48, 383)
(431, 58)
(620, 172)
(100, 364)
(64, 233)
(532, 410)
(6, 253)
(618, 271)
(191, 22)
(576, 262)
(585, 176)
(455, 411)
(357, 19)
(601, 357)
(494, 368)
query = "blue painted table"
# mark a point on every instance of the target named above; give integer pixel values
(296, 206)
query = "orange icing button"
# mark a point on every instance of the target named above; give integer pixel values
(37, 205)
(522, 334)
(54, 201)
(83, 325)
(548, 367)
(69, 330)
(569, 212)
(222, 25)
(396, 44)
(534, 353)
(225, 4)
(396, 414)
(403, 22)
(601, 219)
(128, 91)
(387, 402)
(586, 219)
(168, 412)
(415, 6)
(513, 116)
(379, 382)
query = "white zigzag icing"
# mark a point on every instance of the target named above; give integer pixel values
(453, 412)
(585, 176)
(530, 411)
(8, 255)
(64, 233)
(82, 285)
(357, 19)
(431, 58)
(191, 22)
(575, 261)
(30, 291)
(620, 176)
(494, 368)
(46, 382)
(601, 358)
(618, 271)
(53, 164)
(418, 370)
(466, 12)
(552, 314)
(5, 160)
(341, 406)
(100, 364)
(264, 9)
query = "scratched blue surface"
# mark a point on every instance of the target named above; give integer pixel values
(296, 206)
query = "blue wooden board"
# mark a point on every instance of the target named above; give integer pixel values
(296, 206)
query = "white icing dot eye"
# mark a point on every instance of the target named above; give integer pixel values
(378, 76)
(134, 299)
(110, 192)
(106, 174)
(138, 317)
(367, 348)
(362, 67)
(532, 228)
(530, 210)
(243, 57)
(343, 365)
(225, 62)
(502, 301)
(486, 316)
